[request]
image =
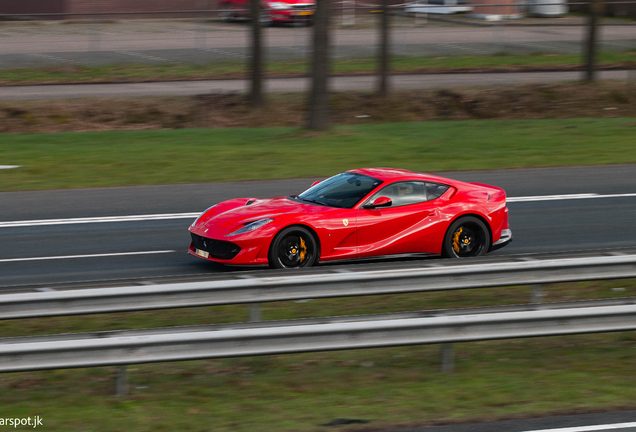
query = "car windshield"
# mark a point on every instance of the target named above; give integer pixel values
(343, 190)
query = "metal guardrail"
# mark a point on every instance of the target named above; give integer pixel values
(192, 343)
(300, 285)
(121, 348)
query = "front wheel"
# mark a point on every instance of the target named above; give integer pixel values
(293, 247)
(265, 20)
(227, 15)
(466, 237)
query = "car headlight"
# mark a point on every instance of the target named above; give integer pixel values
(201, 215)
(278, 5)
(250, 227)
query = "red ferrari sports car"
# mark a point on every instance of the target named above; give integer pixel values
(360, 213)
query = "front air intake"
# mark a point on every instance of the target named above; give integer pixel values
(218, 249)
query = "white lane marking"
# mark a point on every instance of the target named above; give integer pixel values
(589, 428)
(224, 52)
(54, 58)
(545, 48)
(9, 166)
(69, 221)
(84, 256)
(566, 197)
(471, 49)
(552, 197)
(145, 56)
(168, 216)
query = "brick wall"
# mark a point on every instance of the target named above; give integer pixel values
(31, 6)
(102, 6)
(506, 8)
(618, 8)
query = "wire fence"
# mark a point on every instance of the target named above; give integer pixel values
(213, 36)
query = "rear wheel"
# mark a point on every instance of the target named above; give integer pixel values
(466, 237)
(293, 247)
(227, 15)
(265, 20)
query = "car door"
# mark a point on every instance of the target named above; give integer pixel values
(241, 8)
(336, 229)
(409, 225)
(334, 214)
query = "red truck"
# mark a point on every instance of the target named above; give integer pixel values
(279, 11)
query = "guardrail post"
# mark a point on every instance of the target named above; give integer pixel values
(498, 30)
(121, 381)
(255, 312)
(201, 33)
(421, 19)
(448, 357)
(95, 35)
(536, 297)
(348, 13)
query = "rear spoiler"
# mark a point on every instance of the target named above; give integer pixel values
(495, 193)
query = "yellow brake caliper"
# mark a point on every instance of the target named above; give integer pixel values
(456, 240)
(303, 250)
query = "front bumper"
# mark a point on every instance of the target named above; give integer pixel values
(281, 15)
(210, 248)
(506, 237)
(246, 251)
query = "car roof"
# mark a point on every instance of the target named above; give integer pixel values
(394, 174)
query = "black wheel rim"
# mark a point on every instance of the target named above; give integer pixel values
(226, 14)
(265, 18)
(468, 240)
(295, 250)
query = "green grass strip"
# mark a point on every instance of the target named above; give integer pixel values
(69, 160)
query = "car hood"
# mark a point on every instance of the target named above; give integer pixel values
(298, 2)
(261, 209)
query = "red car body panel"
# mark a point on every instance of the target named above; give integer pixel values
(298, 10)
(357, 232)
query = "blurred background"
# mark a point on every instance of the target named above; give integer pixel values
(120, 121)
(83, 33)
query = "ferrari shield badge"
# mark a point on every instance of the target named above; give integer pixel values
(345, 222)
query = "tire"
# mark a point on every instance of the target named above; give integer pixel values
(301, 23)
(265, 20)
(293, 247)
(466, 237)
(227, 15)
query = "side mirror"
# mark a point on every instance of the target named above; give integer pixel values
(380, 202)
(315, 183)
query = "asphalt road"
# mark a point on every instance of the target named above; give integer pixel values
(345, 83)
(191, 42)
(563, 223)
(499, 44)
(621, 421)
(51, 254)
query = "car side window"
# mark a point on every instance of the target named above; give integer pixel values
(434, 190)
(402, 193)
